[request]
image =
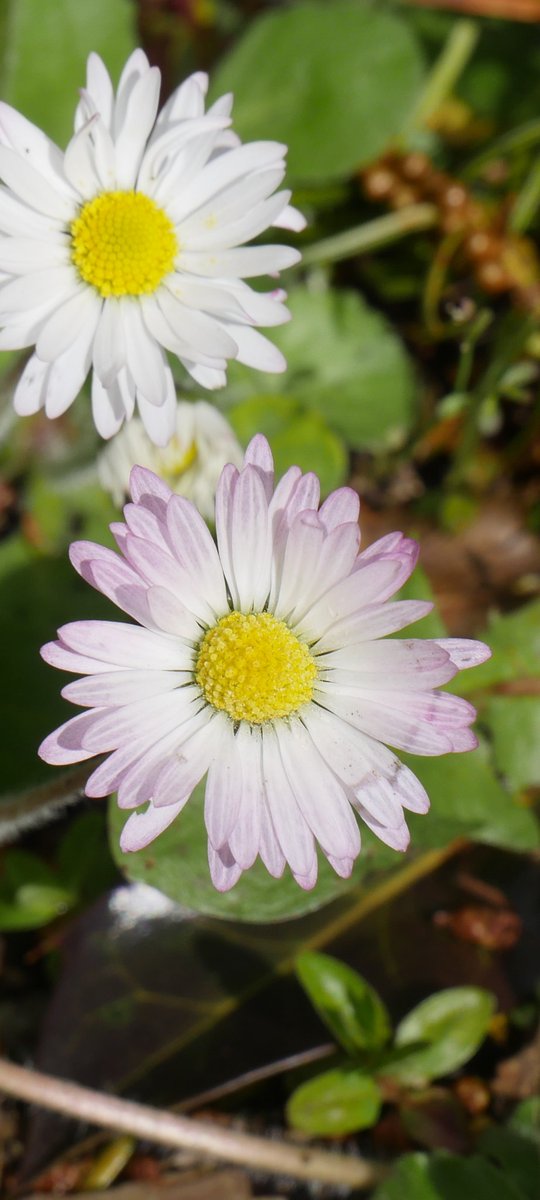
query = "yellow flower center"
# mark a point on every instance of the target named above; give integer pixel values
(123, 244)
(175, 460)
(254, 668)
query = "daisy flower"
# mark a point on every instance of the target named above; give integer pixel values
(261, 663)
(202, 443)
(131, 243)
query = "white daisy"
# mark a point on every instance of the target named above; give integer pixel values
(261, 663)
(202, 443)
(131, 243)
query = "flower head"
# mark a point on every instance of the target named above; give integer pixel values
(191, 464)
(131, 243)
(261, 663)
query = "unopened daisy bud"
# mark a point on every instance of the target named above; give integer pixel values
(132, 243)
(261, 663)
(191, 464)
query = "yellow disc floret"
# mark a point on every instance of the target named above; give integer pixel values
(254, 668)
(123, 244)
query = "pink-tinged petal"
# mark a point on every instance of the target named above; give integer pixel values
(335, 561)
(307, 882)
(464, 652)
(411, 792)
(269, 848)
(146, 524)
(245, 838)
(121, 687)
(301, 559)
(399, 728)
(342, 866)
(160, 569)
(249, 534)
(196, 552)
(350, 754)
(57, 655)
(123, 645)
(106, 572)
(373, 622)
(65, 745)
(223, 789)
(340, 508)
(397, 838)
(319, 795)
(224, 870)
(462, 740)
(380, 799)
(132, 768)
(292, 831)
(145, 486)
(392, 543)
(416, 664)
(170, 615)
(190, 761)
(228, 481)
(353, 595)
(258, 454)
(142, 828)
(118, 726)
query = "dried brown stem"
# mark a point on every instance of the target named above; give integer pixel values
(167, 1129)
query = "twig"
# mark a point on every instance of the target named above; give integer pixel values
(258, 1075)
(166, 1129)
(39, 804)
(511, 10)
(371, 235)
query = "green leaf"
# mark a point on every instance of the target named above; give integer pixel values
(177, 864)
(335, 1102)
(296, 438)
(44, 51)
(467, 800)
(451, 1024)
(346, 1003)
(346, 363)
(525, 1120)
(515, 642)
(336, 82)
(446, 1177)
(514, 725)
(37, 595)
(517, 1155)
(30, 893)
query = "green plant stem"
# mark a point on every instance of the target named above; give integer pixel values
(44, 802)
(511, 340)
(446, 71)
(468, 347)
(167, 1129)
(527, 201)
(371, 235)
(519, 138)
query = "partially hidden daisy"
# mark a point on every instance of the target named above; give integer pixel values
(131, 243)
(202, 443)
(261, 663)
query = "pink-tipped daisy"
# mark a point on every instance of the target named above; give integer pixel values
(261, 663)
(132, 243)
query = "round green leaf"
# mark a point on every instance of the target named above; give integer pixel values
(296, 438)
(44, 50)
(514, 723)
(345, 1001)
(348, 365)
(338, 1101)
(336, 82)
(448, 1028)
(177, 864)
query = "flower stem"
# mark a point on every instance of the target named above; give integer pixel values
(527, 200)
(446, 71)
(371, 235)
(167, 1129)
(44, 802)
